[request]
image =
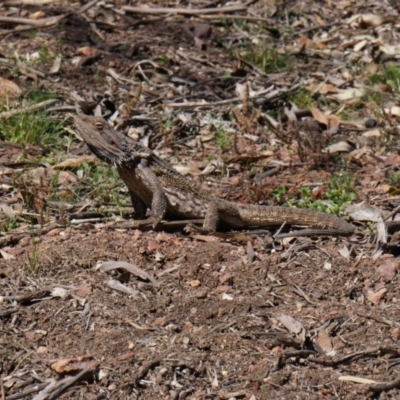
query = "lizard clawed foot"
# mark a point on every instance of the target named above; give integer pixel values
(193, 229)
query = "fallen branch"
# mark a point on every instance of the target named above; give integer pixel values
(271, 95)
(54, 389)
(381, 386)
(37, 23)
(185, 11)
(133, 269)
(33, 107)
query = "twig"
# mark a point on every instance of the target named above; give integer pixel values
(9, 311)
(27, 296)
(381, 386)
(38, 23)
(33, 107)
(3, 393)
(53, 390)
(145, 369)
(133, 269)
(272, 94)
(31, 389)
(87, 6)
(185, 11)
(244, 17)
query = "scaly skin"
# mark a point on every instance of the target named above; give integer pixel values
(155, 185)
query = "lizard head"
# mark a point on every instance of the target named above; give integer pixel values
(101, 139)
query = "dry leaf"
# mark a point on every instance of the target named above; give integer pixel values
(356, 379)
(387, 270)
(8, 89)
(187, 169)
(375, 296)
(395, 334)
(319, 116)
(364, 212)
(324, 343)
(74, 365)
(348, 94)
(292, 325)
(339, 147)
(37, 15)
(38, 175)
(6, 255)
(71, 163)
(87, 51)
(55, 68)
(372, 133)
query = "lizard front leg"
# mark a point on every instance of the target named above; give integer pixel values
(143, 183)
(138, 205)
(159, 200)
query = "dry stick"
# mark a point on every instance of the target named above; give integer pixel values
(29, 2)
(28, 391)
(8, 312)
(22, 68)
(38, 106)
(38, 23)
(381, 386)
(53, 390)
(186, 11)
(222, 102)
(87, 6)
(133, 269)
(243, 17)
(3, 393)
(271, 95)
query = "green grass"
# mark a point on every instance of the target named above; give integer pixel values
(301, 97)
(223, 139)
(340, 192)
(265, 57)
(394, 179)
(101, 182)
(31, 128)
(390, 76)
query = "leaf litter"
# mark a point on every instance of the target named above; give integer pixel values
(264, 98)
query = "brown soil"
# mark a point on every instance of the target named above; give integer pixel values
(241, 318)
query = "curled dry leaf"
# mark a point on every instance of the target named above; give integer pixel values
(120, 287)
(8, 89)
(6, 255)
(133, 269)
(37, 175)
(364, 212)
(339, 147)
(87, 51)
(387, 270)
(37, 15)
(348, 94)
(395, 334)
(375, 296)
(55, 68)
(74, 365)
(323, 343)
(72, 163)
(293, 326)
(187, 169)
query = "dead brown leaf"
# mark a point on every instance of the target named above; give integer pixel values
(74, 365)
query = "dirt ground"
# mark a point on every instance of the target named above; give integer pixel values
(235, 317)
